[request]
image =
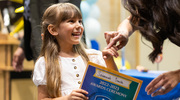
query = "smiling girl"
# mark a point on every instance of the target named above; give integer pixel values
(59, 70)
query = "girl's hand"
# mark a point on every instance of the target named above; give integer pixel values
(109, 53)
(78, 94)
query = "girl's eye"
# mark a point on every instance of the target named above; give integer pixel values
(80, 21)
(72, 21)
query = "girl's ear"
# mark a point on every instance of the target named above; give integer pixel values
(52, 30)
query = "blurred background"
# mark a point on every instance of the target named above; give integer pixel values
(98, 16)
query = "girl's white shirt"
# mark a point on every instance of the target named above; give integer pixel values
(72, 70)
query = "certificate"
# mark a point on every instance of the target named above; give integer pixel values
(106, 84)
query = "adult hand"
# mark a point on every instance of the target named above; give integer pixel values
(125, 29)
(18, 59)
(116, 38)
(78, 94)
(164, 82)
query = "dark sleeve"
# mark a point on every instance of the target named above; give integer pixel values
(27, 32)
(22, 43)
(37, 8)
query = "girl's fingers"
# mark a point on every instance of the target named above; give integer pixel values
(81, 91)
(79, 94)
(114, 51)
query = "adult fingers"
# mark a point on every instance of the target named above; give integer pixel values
(19, 66)
(115, 40)
(167, 87)
(107, 36)
(163, 90)
(14, 63)
(122, 41)
(156, 87)
(154, 84)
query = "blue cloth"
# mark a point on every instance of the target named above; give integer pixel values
(147, 78)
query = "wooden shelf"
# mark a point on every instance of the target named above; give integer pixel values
(7, 46)
(10, 68)
(6, 39)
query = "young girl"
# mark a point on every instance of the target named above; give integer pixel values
(59, 70)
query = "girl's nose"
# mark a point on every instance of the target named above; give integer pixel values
(78, 25)
(79, 30)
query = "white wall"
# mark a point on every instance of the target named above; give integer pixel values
(171, 56)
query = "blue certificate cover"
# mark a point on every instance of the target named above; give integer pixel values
(106, 84)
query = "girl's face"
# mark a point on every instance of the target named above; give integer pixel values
(70, 31)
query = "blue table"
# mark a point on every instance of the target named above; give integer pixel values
(147, 78)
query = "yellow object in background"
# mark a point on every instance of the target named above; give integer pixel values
(20, 10)
(119, 64)
(19, 26)
(20, 22)
(18, 1)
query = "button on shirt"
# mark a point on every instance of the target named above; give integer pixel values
(72, 71)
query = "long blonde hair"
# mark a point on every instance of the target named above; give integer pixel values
(56, 14)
